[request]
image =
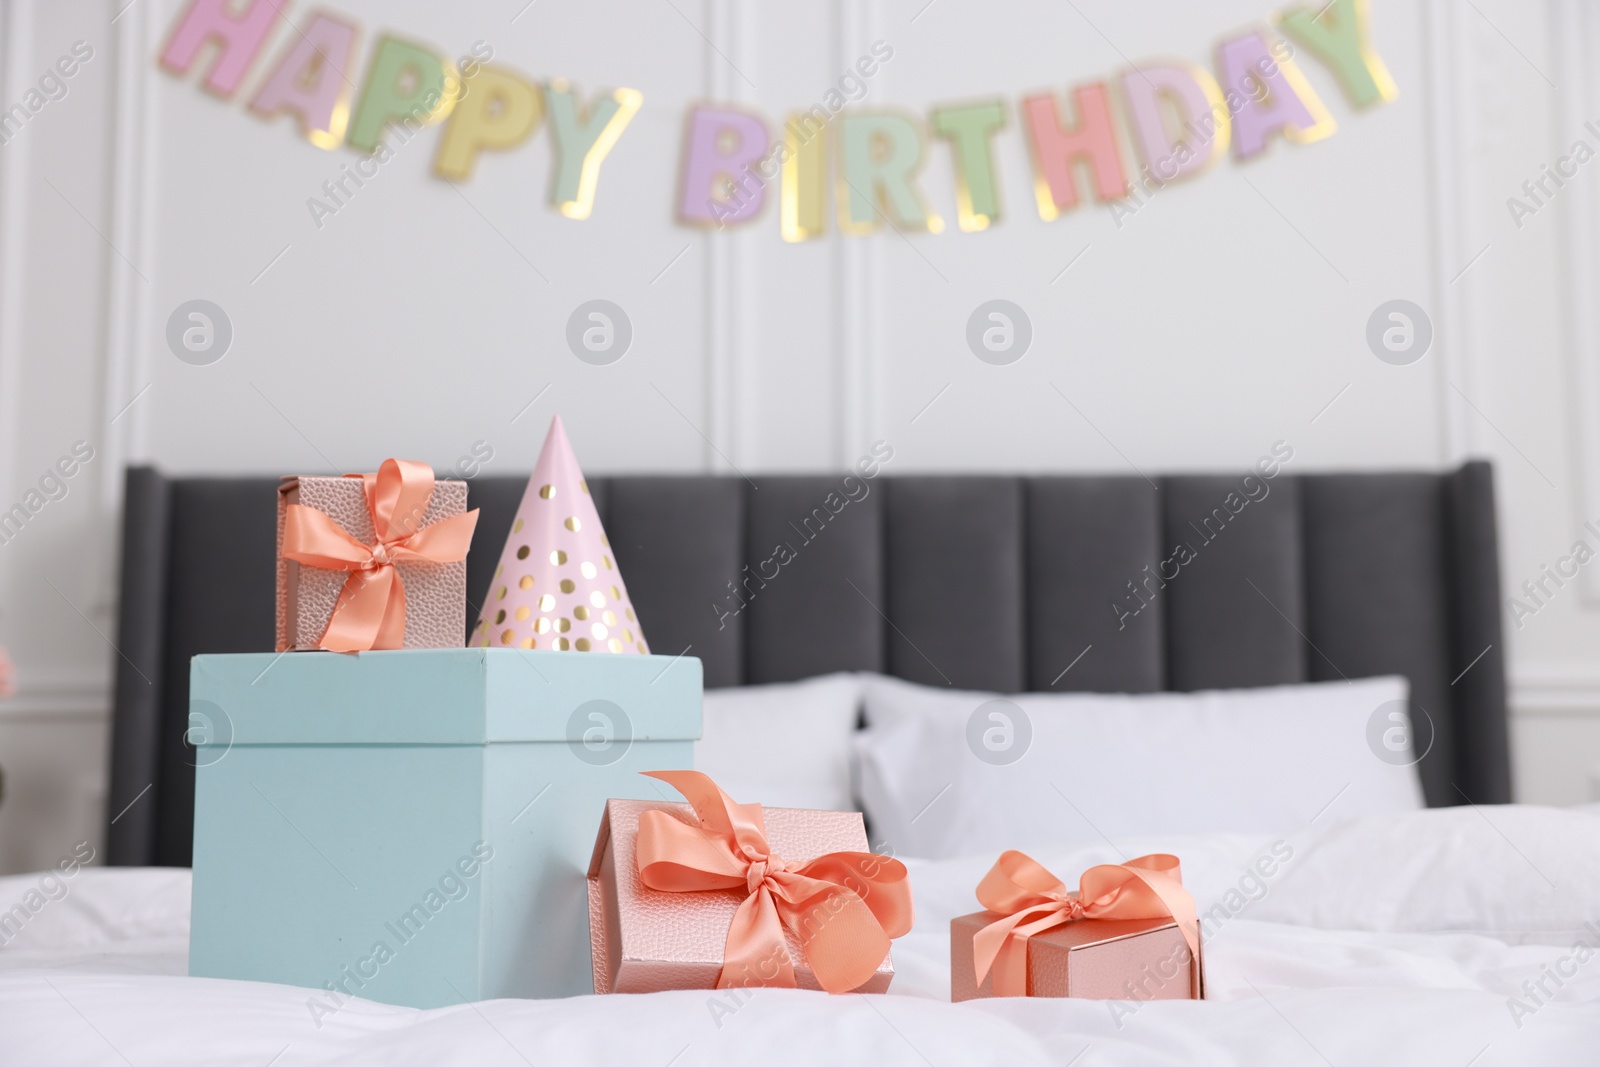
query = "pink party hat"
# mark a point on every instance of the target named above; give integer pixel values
(557, 586)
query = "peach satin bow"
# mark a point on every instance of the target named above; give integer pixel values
(842, 907)
(1033, 900)
(371, 610)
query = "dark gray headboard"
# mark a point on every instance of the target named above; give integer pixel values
(992, 582)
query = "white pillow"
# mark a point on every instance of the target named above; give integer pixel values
(69, 907)
(1518, 873)
(783, 746)
(947, 773)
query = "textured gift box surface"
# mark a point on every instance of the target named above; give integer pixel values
(645, 941)
(436, 593)
(1103, 959)
(340, 801)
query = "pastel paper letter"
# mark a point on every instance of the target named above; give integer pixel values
(881, 154)
(1179, 119)
(238, 37)
(804, 208)
(582, 143)
(722, 151)
(1056, 150)
(969, 128)
(501, 112)
(1267, 96)
(310, 81)
(405, 85)
(1338, 34)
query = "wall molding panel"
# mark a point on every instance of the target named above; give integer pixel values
(16, 25)
(1448, 94)
(1577, 36)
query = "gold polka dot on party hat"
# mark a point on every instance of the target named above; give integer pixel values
(522, 553)
(522, 612)
(588, 569)
(507, 636)
(580, 612)
(502, 593)
(609, 618)
(599, 631)
(541, 626)
(547, 491)
(568, 585)
(614, 645)
(528, 642)
(498, 571)
(627, 635)
(558, 557)
(604, 543)
(516, 527)
(500, 616)
(584, 486)
(527, 581)
(607, 561)
(560, 644)
(597, 598)
(563, 624)
(573, 524)
(616, 594)
(547, 602)
(629, 613)
(583, 644)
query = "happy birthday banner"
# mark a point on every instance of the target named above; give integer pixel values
(1179, 117)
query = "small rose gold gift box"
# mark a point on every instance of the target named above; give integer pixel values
(436, 593)
(646, 941)
(1102, 959)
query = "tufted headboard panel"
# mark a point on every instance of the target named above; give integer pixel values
(994, 582)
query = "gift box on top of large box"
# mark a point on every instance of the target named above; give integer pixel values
(1129, 932)
(414, 825)
(373, 561)
(713, 894)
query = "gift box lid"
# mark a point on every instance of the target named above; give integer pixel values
(442, 696)
(1074, 935)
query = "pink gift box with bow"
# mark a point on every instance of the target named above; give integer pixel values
(759, 896)
(1129, 932)
(372, 561)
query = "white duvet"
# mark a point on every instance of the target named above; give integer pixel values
(1463, 937)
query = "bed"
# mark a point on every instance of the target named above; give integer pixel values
(1449, 935)
(1429, 939)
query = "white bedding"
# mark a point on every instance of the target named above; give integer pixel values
(1395, 939)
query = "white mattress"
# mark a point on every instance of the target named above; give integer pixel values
(1393, 940)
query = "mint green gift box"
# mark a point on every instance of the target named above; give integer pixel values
(414, 826)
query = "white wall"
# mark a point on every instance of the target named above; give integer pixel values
(1226, 314)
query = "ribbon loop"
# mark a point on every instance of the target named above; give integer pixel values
(842, 907)
(371, 610)
(1031, 900)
